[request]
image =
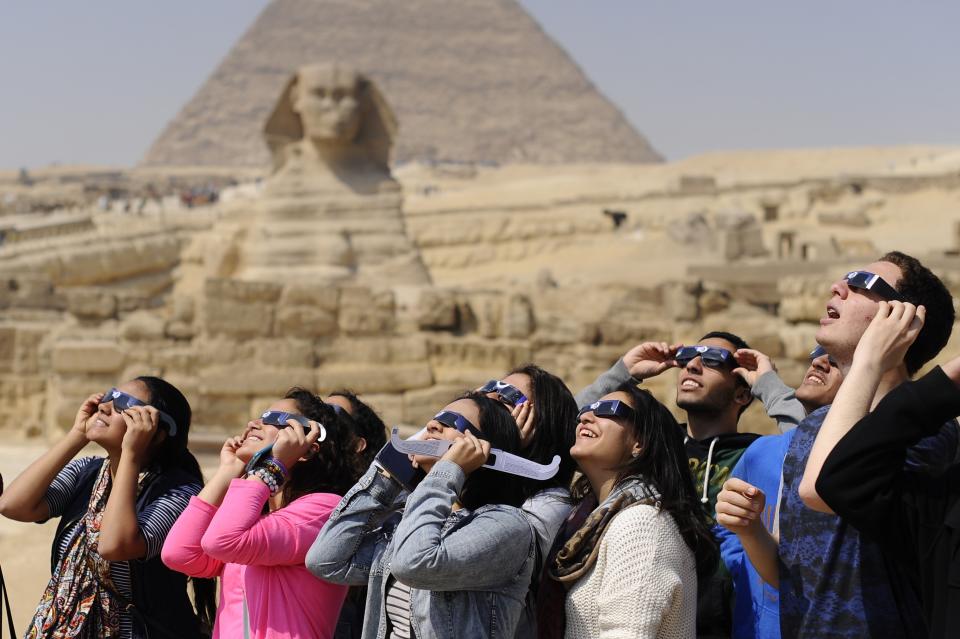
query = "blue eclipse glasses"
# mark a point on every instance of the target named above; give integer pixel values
(607, 408)
(506, 392)
(280, 418)
(711, 356)
(820, 351)
(450, 419)
(867, 281)
(122, 401)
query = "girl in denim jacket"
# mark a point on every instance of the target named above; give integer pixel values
(451, 559)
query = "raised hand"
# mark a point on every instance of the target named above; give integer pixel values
(87, 410)
(293, 443)
(229, 462)
(752, 364)
(891, 332)
(650, 359)
(739, 507)
(468, 452)
(141, 424)
(525, 415)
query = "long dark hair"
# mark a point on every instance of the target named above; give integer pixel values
(334, 468)
(367, 425)
(662, 463)
(555, 424)
(173, 455)
(485, 486)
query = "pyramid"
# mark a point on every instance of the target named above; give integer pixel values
(471, 81)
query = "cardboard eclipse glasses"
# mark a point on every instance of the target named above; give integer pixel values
(122, 401)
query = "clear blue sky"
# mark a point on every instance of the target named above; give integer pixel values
(94, 82)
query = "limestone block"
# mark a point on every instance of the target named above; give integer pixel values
(803, 299)
(252, 380)
(713, 302)
(798, 340)
(471, 362)
(241, 291)
(227, 414)
(88, 357)
(142, 325)
(179, 330)
(175, 360)
(8, 347)
(518, 319)
(240, 319)
(285, 353)
(364, 378)
(437, 310)
(26, 356)
(91, 303)
(304, 321)
(182, 309)
(680, 300)
(631, 331)
(388, 406)
(366, 312)
(223, 351)
(483, 313)
(319, 296)
(379, 350)
(419, 406)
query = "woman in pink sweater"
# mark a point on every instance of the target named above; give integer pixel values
(253, 529)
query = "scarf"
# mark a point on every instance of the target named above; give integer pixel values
(576, 547)
(77, 603)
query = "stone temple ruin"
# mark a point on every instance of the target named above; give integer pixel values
(332, 266)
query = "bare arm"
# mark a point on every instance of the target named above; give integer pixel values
(120, 535)
(881, 348)
(23, 499)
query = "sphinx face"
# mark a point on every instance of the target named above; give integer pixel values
(325, 98)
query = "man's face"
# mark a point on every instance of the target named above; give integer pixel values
(820, 383)
(704, 389)
(850, 311)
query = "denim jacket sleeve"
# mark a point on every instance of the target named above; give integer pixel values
(488, 550)
(345, 549)
(609, 381)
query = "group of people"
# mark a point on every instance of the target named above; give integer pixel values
(845, 525)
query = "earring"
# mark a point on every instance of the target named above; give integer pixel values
(636, 454)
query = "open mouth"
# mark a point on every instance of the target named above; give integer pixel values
(689, 384)
(832, 313)
(586, 433)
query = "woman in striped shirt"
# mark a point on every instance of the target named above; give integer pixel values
(108, 580)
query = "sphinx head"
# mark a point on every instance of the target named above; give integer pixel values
(325, 97)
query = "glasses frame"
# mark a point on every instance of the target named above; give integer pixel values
(712, 356)
(122, 401)
(281, 418)
(608, 408)
(451, 419)
(867, 281)
(509, 393)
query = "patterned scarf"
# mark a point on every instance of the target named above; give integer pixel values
(77, 603)
(576, 548)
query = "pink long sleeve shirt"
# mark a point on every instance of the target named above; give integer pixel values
(259, 558)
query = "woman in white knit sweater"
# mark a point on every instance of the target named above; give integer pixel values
(626, 561)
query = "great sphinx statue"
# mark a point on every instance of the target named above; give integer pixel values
(330, 210)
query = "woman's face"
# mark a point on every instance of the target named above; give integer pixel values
(106, 427)
(436, 430)
(258, 435)
(604, 443)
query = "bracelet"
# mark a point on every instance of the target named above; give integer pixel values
(275, 465)
(272, 479)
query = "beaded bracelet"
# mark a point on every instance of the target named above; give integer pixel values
(275, 465)
(268, 478)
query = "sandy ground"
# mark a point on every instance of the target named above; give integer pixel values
(25, 548)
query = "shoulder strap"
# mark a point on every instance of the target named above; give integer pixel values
(6, 603)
